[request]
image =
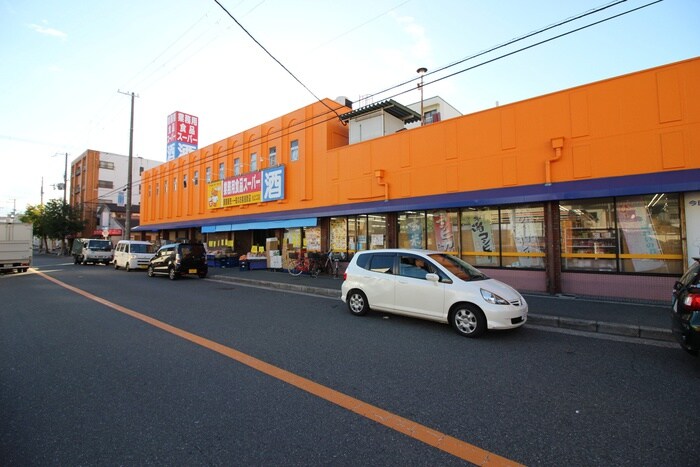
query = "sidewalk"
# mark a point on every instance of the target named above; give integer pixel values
(640, 320)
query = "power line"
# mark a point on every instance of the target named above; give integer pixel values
(273, 57)
(247, 144)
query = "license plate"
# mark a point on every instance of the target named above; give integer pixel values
(192, 271)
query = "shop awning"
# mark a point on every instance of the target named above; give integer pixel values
(262, 225)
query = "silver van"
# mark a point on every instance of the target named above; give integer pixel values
(133, 254)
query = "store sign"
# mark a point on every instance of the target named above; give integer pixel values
(183, 134)
(255, 187)
(107, 232)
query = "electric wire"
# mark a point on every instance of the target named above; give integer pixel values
(266, 138)
(272, 56)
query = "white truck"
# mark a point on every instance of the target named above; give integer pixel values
(92, 250)
(15, 246)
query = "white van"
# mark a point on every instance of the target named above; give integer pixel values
(133, 254)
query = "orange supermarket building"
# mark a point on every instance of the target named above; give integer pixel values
(591, 191)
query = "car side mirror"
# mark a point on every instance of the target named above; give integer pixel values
(431, 276)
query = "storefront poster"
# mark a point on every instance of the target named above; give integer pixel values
(640, 236)
(527, 231)
(339, 235)
(415, 234)
(444, 237)
(481, 234)
(312, 235)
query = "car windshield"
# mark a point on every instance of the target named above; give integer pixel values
(458, 267)
(142, 248)
(101, 245)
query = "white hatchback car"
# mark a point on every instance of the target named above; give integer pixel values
(431, 285)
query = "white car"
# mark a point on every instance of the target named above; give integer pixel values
(133, 254)
(431, 285)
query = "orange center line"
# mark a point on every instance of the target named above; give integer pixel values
(436, 439)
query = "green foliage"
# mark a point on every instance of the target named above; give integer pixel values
(55, 220)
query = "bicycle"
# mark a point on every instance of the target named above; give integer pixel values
(329, 266)
(296, 264)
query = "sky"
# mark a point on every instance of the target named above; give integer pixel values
(69, 66)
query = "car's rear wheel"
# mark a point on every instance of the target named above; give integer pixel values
(151, 271)
(468, 320)
(116, 266)
(172, 275)
(357, 303)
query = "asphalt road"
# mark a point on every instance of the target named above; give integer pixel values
(200, 372)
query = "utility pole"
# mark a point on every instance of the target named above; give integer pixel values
(421, 71)
(127, 223)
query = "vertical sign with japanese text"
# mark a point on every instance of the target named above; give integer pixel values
(183, 134)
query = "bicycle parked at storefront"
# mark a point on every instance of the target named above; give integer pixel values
(313, 264)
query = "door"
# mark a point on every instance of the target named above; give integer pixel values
(414, 293)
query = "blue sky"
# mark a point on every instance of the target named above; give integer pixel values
(63, 64)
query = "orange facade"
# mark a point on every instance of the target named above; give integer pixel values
(643, 123)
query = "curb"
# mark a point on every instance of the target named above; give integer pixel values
(617, 329)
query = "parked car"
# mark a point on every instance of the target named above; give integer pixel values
(431, 285)
(179, 259)
(686, 309)
(92, 250)
(133, 254)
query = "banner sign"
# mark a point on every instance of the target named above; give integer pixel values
(638, 230)
(255, 187)
(183, 134)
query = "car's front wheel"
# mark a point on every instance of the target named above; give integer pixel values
(357, 303)
(468, 320)
(116, 266)
(151, 271)
(127, 267)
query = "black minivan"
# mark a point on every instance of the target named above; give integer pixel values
(686, 309)
(179, 259)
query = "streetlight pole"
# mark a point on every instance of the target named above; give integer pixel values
(422, 71)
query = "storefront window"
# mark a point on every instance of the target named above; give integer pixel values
(588, 235)
(339, 234)
(443, 231)
(650, 234)
(479, 236)
(377, 231)
(357, 233)
(522, 236)
(411, 229)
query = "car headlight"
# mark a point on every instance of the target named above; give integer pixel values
(491, 297)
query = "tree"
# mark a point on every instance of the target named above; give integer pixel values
(59, 220)
(35, 216)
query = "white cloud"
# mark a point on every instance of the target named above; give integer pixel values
(48, 31)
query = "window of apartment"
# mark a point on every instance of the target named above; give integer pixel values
(237, 169)
(165, 186)
(175, 184)
(184, 181)
(294, 150)
(272, 156)
(254, 162)
(107, 165)
(195, 178)
(105, 184)
(221, 171)
(208, 175)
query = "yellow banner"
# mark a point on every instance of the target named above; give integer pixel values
(214, 195)
(246, 198)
